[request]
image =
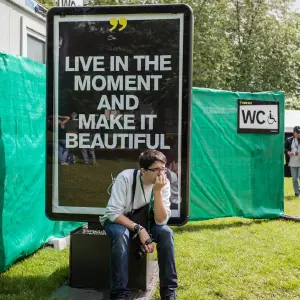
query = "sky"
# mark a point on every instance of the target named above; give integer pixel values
(297, 5)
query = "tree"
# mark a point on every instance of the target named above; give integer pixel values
(48, 3)
(242, 45)
(292, 103)
(265, 44)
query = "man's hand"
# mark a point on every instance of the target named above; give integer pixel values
(160, 182)
(291, 153)
(144, 236)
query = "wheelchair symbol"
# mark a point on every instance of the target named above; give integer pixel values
(271, 119)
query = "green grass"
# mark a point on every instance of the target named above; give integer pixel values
(79, 183)
(238, 259)
(228, 258)
(291, 203)
(35, 277)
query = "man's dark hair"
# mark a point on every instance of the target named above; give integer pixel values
(148, 157)
(73, 115)
(296, 129)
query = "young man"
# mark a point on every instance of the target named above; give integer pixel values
(151, 185)
(292, 157)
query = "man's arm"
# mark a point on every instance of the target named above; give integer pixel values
(116, 208)
(65, 120)
(143, 234)
(161, 191)
(287, 146)
(117, 204)
(123, 220)
(160, 213)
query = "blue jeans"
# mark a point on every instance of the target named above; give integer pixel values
(63, 152)
(86, 153)
(295, 172)
(120, 237)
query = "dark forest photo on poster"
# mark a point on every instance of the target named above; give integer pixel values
(118, 90)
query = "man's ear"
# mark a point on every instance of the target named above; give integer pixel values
(143, 171)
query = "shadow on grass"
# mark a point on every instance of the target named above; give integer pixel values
(31, 287)
(200, 226)
(289, 198)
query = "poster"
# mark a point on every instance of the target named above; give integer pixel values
(119, 82)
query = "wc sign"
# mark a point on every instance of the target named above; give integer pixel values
(258, 116)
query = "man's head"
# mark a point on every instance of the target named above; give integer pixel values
(296, 132)
(152, 164)
(73, 115)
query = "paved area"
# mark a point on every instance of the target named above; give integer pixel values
(68, 293)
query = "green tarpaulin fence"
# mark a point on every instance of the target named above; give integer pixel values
(231, 174)
(234, 174)
(23, 224)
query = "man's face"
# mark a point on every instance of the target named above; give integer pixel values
(296, 135)
(150, 174)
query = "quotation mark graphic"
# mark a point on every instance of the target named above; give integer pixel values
(114, 23)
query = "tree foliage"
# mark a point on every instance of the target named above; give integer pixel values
(47, 3)
(242, 45)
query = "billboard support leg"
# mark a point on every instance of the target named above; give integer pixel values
(90, 261)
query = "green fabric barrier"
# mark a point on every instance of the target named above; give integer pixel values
(24, 226)
(234, 174)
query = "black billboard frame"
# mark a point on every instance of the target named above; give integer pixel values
(186, 86)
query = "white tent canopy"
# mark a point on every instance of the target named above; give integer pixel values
(291, 119)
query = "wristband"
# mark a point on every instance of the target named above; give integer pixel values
(136, 230)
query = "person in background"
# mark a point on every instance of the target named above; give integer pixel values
(63, 152)
(292, 157)
(71, 127)
(88, 154)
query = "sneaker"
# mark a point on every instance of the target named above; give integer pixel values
(64, 164)
(170, 297)
(296, 195)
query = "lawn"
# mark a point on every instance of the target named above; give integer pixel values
(230, 258)
(291, 204)
(79, 183)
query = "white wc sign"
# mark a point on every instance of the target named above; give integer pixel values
(65, 3)
(258, 116)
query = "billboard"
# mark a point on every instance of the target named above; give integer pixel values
(118, 82)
